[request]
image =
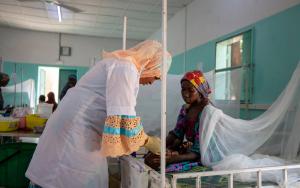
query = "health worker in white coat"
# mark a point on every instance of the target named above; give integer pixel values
(96, 119)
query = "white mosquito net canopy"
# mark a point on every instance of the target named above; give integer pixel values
(226, 142)
(271, 139)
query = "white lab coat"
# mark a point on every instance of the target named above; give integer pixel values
(68, 152)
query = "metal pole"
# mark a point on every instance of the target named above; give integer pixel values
(185, 38)
(174, 182)
(230, 181)
(1, 64)
(21, 85)
(124, 32)
(198, 182)
(15, 82)
(285, 178)
(163, 95)
(259, 179)
(124, 48)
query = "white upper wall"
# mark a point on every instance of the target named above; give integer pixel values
(43, 48)
(176, 30)
(210, 19)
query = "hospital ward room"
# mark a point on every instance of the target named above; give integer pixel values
(149, 94)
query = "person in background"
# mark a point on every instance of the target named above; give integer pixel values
(42, 98)
(97, 119)
(51, 100)
(4, 79)
(195, 91)
(72, 80)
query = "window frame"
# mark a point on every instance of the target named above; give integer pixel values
(247, 84)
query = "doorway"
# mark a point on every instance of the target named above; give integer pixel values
(63, 77)
(48, 81)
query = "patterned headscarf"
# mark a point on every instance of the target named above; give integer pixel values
(146, 56)
(198, 80)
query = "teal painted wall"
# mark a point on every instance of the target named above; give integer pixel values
(30, 71)
(276, 53)
(204, 54)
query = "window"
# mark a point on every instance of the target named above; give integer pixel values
(234, 68)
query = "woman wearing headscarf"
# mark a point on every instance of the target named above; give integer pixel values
(51, 100)
(97, 118)
(195, 91)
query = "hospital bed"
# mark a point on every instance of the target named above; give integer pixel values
(137, 174)
(134, 173)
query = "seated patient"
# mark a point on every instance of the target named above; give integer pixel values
(51, 100)
(194, 91)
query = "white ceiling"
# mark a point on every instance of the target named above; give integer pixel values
(99, 17)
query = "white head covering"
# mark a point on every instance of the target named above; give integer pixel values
(147, 57)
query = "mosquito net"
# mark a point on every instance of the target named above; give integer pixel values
(24, 87)
(269, 140)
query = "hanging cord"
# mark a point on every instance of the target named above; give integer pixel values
(59, 46)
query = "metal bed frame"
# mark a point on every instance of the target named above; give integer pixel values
(230, 173)
(155, 177)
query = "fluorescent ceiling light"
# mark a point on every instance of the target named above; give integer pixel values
(59, 13)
